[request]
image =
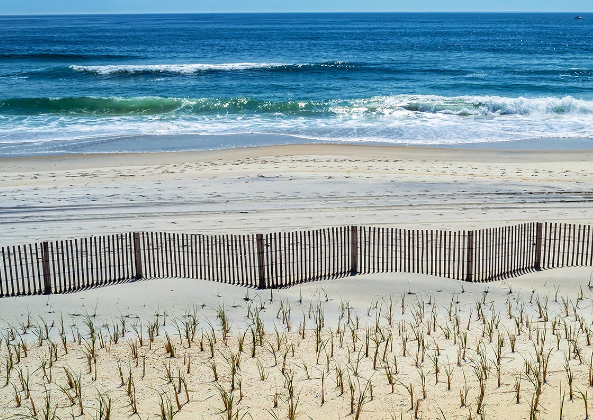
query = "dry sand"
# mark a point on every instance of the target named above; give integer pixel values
(290, 187)
(351, 309)
(285, 188)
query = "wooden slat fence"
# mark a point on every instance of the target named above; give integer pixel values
(565, 245)
(296, 257)
(66, 265)
(223, 258)
(284, 259)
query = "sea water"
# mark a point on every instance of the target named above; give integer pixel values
(203, 81)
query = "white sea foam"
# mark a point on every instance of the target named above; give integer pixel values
(171, 68)
(403, 119)
(191, 68)
(478, 105)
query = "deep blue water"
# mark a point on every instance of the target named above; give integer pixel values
(397, 78)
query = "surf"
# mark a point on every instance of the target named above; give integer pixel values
(379, 106)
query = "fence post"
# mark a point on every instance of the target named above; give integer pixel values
(353, 250)
(137, 256)
(45, 268)
(470, 255)
(538, 246)
(260, 260)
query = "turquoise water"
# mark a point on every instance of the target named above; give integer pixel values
(71, 83)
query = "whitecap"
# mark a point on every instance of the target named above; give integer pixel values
(170, 68)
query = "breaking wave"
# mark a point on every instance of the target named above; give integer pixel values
(187, 69)
(384, 106)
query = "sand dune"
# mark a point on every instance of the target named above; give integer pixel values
(144, 346)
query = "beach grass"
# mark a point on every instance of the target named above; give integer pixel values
(518, 354)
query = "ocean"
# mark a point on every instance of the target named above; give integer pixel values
(134, 83)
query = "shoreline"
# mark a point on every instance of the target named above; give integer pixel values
(190, 143)
(80, 160)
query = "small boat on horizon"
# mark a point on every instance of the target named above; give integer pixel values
(578, 17)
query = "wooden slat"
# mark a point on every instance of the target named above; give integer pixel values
(162, 255)
(571, 243)
(582, 242)
(77, 268)
(516, 250)
(29, 269)
(482, 252)
(40, 278)
(324, 254)
(239, 263)
(544, 259)
(267, 262)
(244, 260)
(95, 257)
(589, 252)
(4, 283)
(277, 260)
(309, 265)
(261, 261)
(223, 249)
(521, 254)
(560, 232)
(53, 276)
(176, 255)
(201, 257)
(489, 256)
(19, 257)
(112, 258)
(126, 248)
(551, 246)
(147, 256)
(195, 256)
(242, 252)
(247, 253)
(235, 276)
(218, 257)
(226, 260)
(498, 251)
(562, 247)
(190, 256)
(105, 256)
(508, 251)
(159, 252)
(234, 260)
(589, 246)
(118, 257)
(223, 259)
(432, 254)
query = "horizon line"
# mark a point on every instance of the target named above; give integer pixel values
(288, 13)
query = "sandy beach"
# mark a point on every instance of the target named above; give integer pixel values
(386, 346)
(282, 188)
